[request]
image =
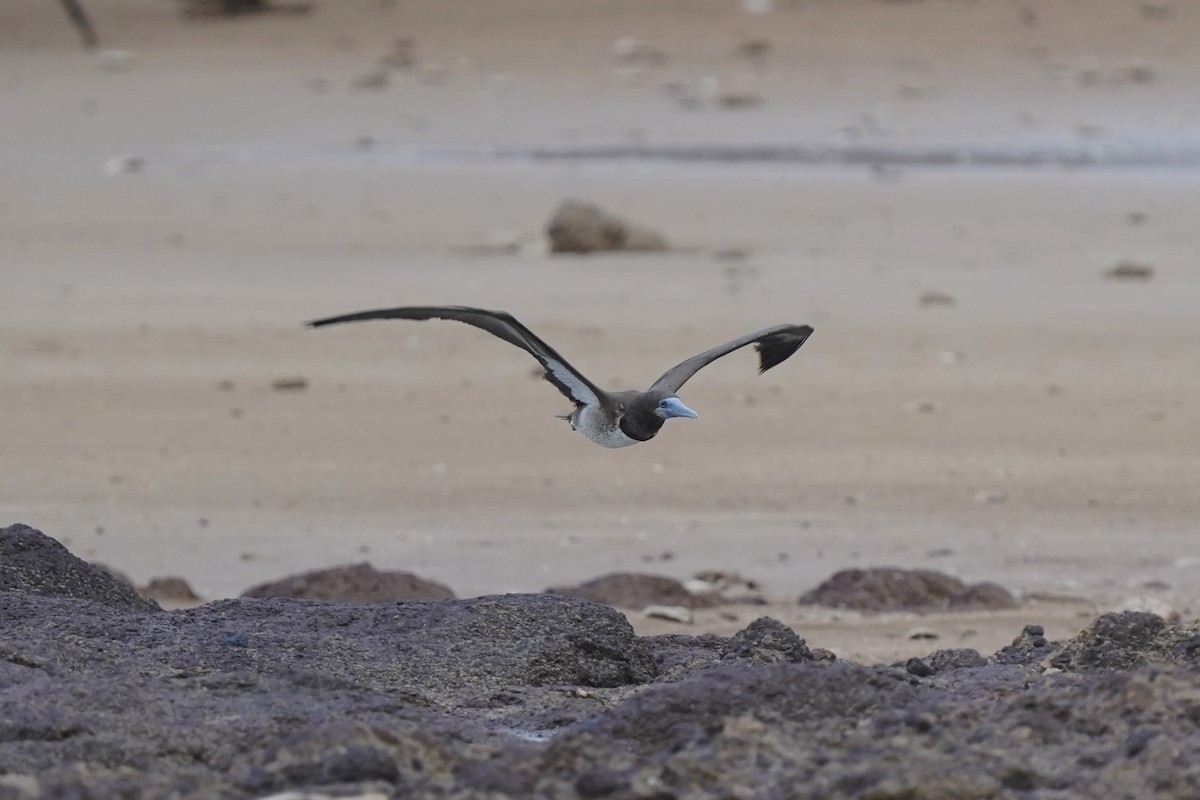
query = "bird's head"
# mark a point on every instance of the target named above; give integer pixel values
(669, 406)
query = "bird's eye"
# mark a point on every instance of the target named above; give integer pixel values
(662, 403)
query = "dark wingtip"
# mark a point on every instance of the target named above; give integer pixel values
(357, 317)
(779, 347)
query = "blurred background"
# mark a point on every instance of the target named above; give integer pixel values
(987, 209)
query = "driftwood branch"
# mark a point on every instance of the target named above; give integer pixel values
(82, 22)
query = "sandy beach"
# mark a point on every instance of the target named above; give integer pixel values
(1040, 430)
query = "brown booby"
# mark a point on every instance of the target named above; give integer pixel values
(611, 419)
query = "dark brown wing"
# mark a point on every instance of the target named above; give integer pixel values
(559, 372)
(774, 345)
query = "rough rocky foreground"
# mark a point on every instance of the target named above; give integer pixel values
(103, 695)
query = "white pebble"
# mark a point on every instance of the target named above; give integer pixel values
(124, 165)
(679, 614)
(951, 356)
(114, 60)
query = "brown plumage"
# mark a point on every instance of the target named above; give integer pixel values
(611, 419)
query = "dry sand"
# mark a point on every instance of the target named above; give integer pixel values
(144, 316)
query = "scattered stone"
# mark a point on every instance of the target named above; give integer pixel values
(1138, 72)
(956, 658)
(919, 667)
(433, 74)
(1156, 11)
(402, 56)
(767, 641)
(892, 589)
(734, 100)
(1087, 72)
(936, 299)
(731, 254)
(632, 590)
(579, 227)
(753, 49)
(678, 614)
(922, 406)
(354, 583)
(1130, 271)
(629, 50)
(124, 165)
(170, 589)
(922, 632)
(294, 383)
(951, 356)
(373, 80)
(1028, 649)
(722, 581)
(113, 60)
(913, 93)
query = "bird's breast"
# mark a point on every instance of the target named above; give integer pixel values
(600, 428)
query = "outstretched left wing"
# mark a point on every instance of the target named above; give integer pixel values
(774, 345)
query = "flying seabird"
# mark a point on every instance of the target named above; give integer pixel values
(611, 419)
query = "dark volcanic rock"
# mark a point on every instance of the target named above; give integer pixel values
(1030, 648)
(890, 589)
(955, 658)
(578, 227)
(1129, 640)
(631, 590)
(355, 583)
(554, 697)
(767, 641)
(30, 561)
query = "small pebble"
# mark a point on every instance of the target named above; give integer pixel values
(936, 299)
(951, 356)
(290, 384)
(918, 667)
(922, 633)
(124, 165)
(922, 406)
(678, 614)
(1130, 271)
(377, 79)
(113, 60)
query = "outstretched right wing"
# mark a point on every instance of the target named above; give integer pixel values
(559, 371)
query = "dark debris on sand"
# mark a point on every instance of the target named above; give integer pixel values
(105, 695)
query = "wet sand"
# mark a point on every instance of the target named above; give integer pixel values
(144, 316)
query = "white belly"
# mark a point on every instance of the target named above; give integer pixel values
(594, 427)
